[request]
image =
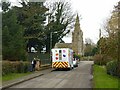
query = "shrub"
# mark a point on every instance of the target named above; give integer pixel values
(6, 68)
(26, 67)
(14, 67)
(112, 67)
(118, 70)
(98, 59)
(101, 59)
(77, 56)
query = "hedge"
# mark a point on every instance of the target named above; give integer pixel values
(112, 68)
(15, 67)
(101, 59)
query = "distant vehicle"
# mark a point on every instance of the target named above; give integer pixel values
(62, 58)
(75, 62)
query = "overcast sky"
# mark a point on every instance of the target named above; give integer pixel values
(93, 14)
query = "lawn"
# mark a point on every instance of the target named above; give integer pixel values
(13, 76)
(102, 80)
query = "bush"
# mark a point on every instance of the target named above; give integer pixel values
(98, 59)
(14, 67)
(6, 68)
(118, 70)
(77, 56)
(112, 67)
(101, 59)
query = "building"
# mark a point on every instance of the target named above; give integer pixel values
(77, 40)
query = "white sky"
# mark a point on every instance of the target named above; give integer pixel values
(93, 14)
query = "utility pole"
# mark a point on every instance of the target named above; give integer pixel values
(49, 18)
(50, 46)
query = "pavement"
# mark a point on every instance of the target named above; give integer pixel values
(44, 70)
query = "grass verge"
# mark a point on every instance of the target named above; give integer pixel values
(102, 80)
(13, 76)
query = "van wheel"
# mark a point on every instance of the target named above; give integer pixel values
(70, 68)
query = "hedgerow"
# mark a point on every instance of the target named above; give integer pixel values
(15, 67)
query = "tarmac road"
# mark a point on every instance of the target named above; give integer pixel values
(79, 77)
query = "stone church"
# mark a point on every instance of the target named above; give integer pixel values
(77, 40)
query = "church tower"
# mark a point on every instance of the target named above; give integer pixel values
(77, 38)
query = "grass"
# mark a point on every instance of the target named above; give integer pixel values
(13, 76)
(102, 80)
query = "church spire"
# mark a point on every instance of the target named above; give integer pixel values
(77, 19)
(77, 38)
(77, 23)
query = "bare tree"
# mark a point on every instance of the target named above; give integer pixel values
(60, 19)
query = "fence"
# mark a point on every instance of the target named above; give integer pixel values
(44, 58)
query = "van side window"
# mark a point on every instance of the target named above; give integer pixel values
(60, 54)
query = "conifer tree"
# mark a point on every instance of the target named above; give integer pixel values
(13, 44)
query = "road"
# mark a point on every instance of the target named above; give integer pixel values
(79, 77)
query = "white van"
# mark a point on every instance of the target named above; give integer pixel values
(62, 58)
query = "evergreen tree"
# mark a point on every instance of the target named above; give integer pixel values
(32, 17)
(13, 46)
(5, 6)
